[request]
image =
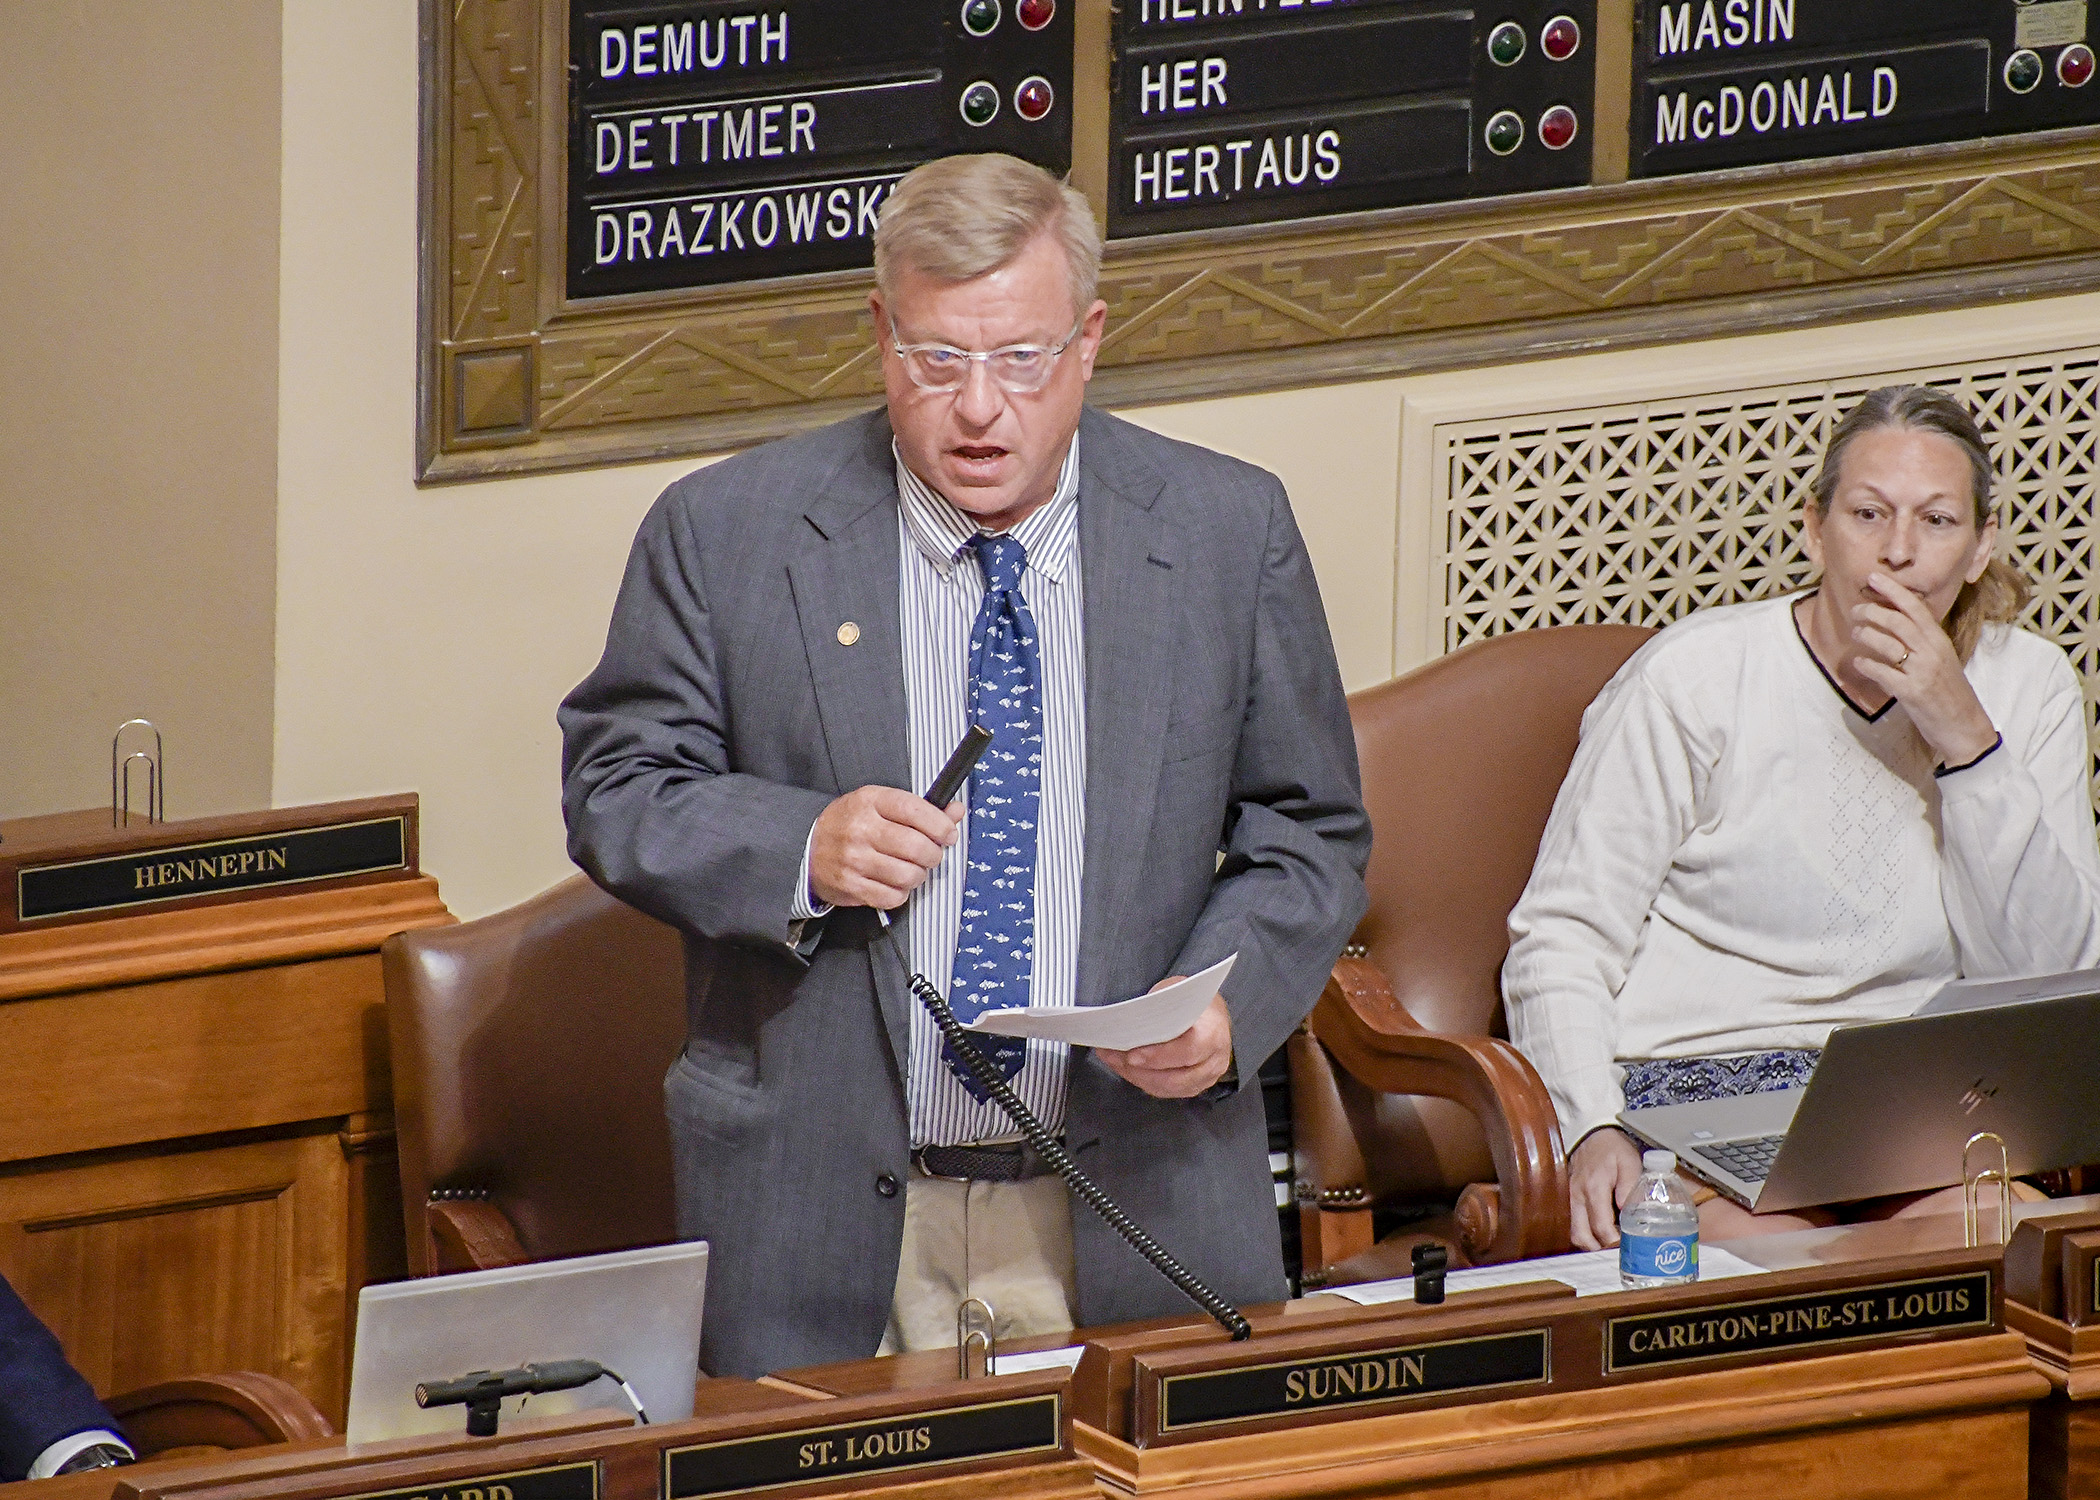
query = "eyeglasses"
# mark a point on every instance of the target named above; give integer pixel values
(1019, 368)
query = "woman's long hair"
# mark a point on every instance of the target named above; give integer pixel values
(2003, 590)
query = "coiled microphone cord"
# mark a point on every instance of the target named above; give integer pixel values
(1060, 1161)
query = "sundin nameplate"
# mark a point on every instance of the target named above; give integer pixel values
(1399, 1372)
(143, 877)
(1934, 1304)
(559, 1482)
(886, 1445)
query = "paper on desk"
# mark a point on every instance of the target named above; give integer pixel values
(1157, 1017)
(1589, 1272)
(1066, 1358)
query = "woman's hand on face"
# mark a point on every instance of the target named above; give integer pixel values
(1603, 1170)
(1905, 652)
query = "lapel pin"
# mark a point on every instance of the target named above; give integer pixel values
(848, 633)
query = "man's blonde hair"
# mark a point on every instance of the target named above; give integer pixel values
(961, 217)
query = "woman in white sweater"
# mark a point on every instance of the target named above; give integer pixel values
(1807, 811)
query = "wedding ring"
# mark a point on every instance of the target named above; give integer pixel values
(1903, 658)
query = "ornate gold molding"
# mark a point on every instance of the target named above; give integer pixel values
(514, 379)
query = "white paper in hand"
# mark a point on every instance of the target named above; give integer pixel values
(1158, 1017)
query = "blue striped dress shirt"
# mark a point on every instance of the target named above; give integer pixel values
(941, 586)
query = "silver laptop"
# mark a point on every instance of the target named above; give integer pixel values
(1891, 1104)
(636, 1312)
(1975, 994)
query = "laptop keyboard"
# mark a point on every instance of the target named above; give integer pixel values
(1745, 1160)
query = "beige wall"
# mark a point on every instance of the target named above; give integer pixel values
(138, 318)
(424, 636)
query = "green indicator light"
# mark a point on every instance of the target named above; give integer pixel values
(2023, 70)
(1505, 44)
(1505, 133)
(980, 103)
(980, 16)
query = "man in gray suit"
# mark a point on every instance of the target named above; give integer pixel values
(803, 634)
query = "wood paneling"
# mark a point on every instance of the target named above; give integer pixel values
(155, 1266)
(197, 1167)
(216, 1052)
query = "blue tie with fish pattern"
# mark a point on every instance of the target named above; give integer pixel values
(995, 941)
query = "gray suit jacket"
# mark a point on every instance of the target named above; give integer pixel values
(1223, 815)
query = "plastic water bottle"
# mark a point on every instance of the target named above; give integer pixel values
(1659, 1227)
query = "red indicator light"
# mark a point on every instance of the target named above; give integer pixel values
(1557, 127)
(2074, 66)
(1561, 39)
(1035, 14)
(1033, 98)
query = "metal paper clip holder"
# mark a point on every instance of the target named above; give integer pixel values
(1973, 1180)
(120, 777)
(976, 1347)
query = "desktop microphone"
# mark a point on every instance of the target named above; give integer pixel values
(1047, 1146)
(482, 1391)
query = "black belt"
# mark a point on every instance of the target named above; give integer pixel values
(1010, 1163)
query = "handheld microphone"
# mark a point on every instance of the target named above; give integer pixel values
(968, 751)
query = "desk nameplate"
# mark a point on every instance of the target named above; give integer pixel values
(1805, 1322)
(75, 867)
(220, 867)
(1339, 1384)
(1115, 1388)
(1031, 1426)
(556, 1482)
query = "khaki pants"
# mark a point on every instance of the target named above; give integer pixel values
(1008, 1244)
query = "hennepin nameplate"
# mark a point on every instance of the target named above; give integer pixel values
(1400, 1372)
(559, 1482)
(886, 1445)
(1933, 1304)
(143, 877)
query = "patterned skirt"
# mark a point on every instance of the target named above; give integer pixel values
(1687, 1080)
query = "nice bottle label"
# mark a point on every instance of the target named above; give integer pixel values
(1658, 1255)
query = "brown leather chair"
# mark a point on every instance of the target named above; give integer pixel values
(239, 1410)
(529, 1050)
(1404, 1091)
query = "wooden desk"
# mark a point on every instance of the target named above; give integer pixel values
(2064, 1447)
(197, 1169)
(1922, 1420)
(604, 1455)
